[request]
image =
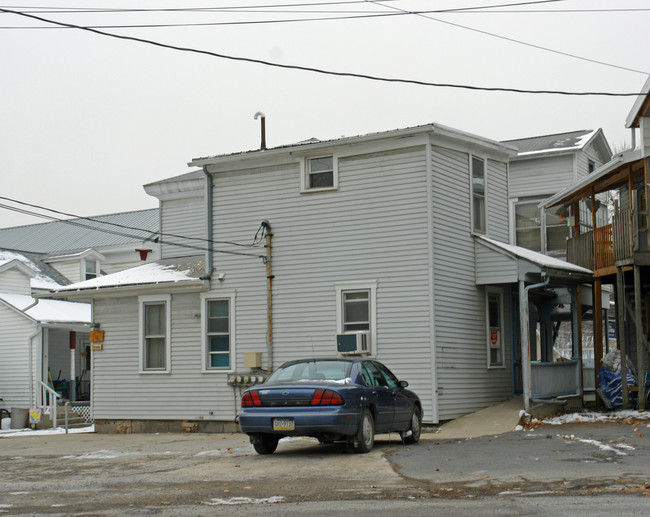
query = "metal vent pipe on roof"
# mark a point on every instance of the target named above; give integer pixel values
(261, 115)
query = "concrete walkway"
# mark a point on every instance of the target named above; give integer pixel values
(497, 419)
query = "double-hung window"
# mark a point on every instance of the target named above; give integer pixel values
(91, 269)
(356, 309)
(218, 332)
(155, 323)
(479, 214)
(319, 173)
(494, 323)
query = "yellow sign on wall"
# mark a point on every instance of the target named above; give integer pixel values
(96, 336)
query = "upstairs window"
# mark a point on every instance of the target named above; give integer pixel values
(91, 269)
(479, 224)
(320, 173)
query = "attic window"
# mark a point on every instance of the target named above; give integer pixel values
(90, 269)
(319, 173)
(591, 166)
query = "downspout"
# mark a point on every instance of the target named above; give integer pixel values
(39, 332)
(525, 335)
(269, 295)
(209, 266)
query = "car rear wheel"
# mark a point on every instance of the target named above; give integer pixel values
(412, 434)
(365, 437)
(265, 443)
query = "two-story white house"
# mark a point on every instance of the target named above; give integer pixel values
(399, 237)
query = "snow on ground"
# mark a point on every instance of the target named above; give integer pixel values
(244, 500)
(593, 416)
(8, 433)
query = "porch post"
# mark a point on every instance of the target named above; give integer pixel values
(576, 346)
(640, 360)
(72, 388)
(620, 331)
(524, 338)
(597, 312)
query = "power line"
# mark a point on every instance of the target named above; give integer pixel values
(512, 40)
(119, 233)
(327, 72)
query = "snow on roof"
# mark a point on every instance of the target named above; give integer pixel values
(535, 257)
(50, 311)
(40, 280)
(164, 271)
(560, 142)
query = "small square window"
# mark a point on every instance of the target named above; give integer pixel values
(320, 173)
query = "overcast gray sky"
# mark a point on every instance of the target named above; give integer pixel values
(86, 119)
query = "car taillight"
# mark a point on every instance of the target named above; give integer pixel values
(326, 398)
(251, 398)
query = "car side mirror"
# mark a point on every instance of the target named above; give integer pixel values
(403, 384)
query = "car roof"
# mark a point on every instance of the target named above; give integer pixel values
(313, 359)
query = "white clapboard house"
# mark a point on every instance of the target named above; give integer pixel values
(393, 244)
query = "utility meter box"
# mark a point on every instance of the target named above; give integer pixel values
(252, 359)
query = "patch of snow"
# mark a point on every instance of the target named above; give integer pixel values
(231, 452)
(52, 311)
(152, 273)
(244, 500)
(44, 432)
(600, 445)
(109, 455)
(592, 416)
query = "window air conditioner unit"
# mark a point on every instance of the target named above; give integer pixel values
(354, 343)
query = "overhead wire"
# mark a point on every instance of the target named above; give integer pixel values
(120, 233)
(512, 40)
(324, 71)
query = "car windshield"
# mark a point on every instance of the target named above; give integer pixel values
(317, 370)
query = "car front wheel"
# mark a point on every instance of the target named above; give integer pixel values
(265, 443)
(365, 437)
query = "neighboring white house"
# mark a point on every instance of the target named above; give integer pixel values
(399, 238)
(543, 166)
(47, 341)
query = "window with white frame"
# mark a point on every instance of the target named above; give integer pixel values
(218, 332)
(479, 214)
(494, 321)
(356, 308)
(320, 173)
(91, 269)
(155, 325)
(545, 231)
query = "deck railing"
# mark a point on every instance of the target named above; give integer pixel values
(602, 248)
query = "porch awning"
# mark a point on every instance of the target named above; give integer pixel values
(501, 263)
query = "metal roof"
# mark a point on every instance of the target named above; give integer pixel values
(569, 141)
(82, 233)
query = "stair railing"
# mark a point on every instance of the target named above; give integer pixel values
(51, 405)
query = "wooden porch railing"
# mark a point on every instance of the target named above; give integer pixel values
(601, 248)
(580, 250)
(604, 246)
(623, 239)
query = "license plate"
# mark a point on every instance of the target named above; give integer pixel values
(283, 424)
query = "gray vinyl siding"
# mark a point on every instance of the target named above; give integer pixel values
(70, 269)
(583, 161)
(493, 267)
(14, 281)
(373, 228)
(15, 331)
(644, 124)
(464, 381)
(183, 222)
(540, 176)
(497, 202)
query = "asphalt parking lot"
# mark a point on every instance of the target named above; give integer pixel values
(95, 474)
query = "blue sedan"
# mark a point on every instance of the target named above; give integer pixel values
(343, 399)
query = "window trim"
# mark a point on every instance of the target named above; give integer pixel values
(499, 292)
(84, 269)
(368, 285)
(205, 298)
(305, 172)
(473, 157)
(142, 301)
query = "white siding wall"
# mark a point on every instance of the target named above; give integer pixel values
(15, 331)
(70, 269)
(540, 176)
(464, 382)
(185, 217)
(14, 281)
(644, 124)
